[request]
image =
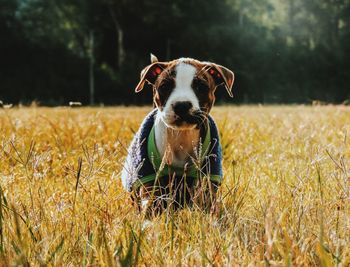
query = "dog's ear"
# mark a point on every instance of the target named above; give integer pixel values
(150, 73)
(222, 76)
(154, 59)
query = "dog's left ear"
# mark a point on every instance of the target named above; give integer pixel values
(221, 76)
(151, 73)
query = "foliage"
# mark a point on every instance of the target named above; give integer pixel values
(281, 51)
(285, 199)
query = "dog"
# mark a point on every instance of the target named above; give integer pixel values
(175, 158)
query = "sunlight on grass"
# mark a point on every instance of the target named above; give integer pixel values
(285, 199)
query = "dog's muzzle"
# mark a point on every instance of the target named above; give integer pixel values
(184, 114)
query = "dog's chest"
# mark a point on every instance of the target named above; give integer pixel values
(176, 147)
(183, 145)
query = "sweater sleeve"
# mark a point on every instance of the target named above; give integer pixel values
(137, 164)
(215, 152)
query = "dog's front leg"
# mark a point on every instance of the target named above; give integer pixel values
(149, 199)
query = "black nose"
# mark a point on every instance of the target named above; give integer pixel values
(182, 109)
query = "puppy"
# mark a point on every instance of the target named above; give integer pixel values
(175, 158)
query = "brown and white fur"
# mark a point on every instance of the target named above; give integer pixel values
(184, 93)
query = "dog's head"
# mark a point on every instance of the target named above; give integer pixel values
(184, 89)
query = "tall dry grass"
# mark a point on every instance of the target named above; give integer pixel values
(285, 199)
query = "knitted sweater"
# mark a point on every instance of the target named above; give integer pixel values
(144, 163)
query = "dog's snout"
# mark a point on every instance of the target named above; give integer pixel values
(182, 108)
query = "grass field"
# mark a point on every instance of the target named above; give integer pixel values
(285, 199)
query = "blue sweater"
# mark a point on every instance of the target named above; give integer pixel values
(143, 163)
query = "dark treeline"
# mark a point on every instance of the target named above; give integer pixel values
(282, 51)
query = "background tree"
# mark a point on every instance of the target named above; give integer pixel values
(285, 51)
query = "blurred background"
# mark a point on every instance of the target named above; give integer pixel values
(282, 51)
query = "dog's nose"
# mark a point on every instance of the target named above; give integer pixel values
(182, 109)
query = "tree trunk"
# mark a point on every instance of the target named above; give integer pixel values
(120, 38)
(240, 19)
(91, 68)
(121, 51)
(291, 15)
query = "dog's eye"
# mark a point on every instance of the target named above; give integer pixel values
(166, 85)
(200, 86)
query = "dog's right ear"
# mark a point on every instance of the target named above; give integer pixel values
(151, 73)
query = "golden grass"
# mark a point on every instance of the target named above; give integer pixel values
(285, 197)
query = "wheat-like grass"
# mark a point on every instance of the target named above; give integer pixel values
(285, 199)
